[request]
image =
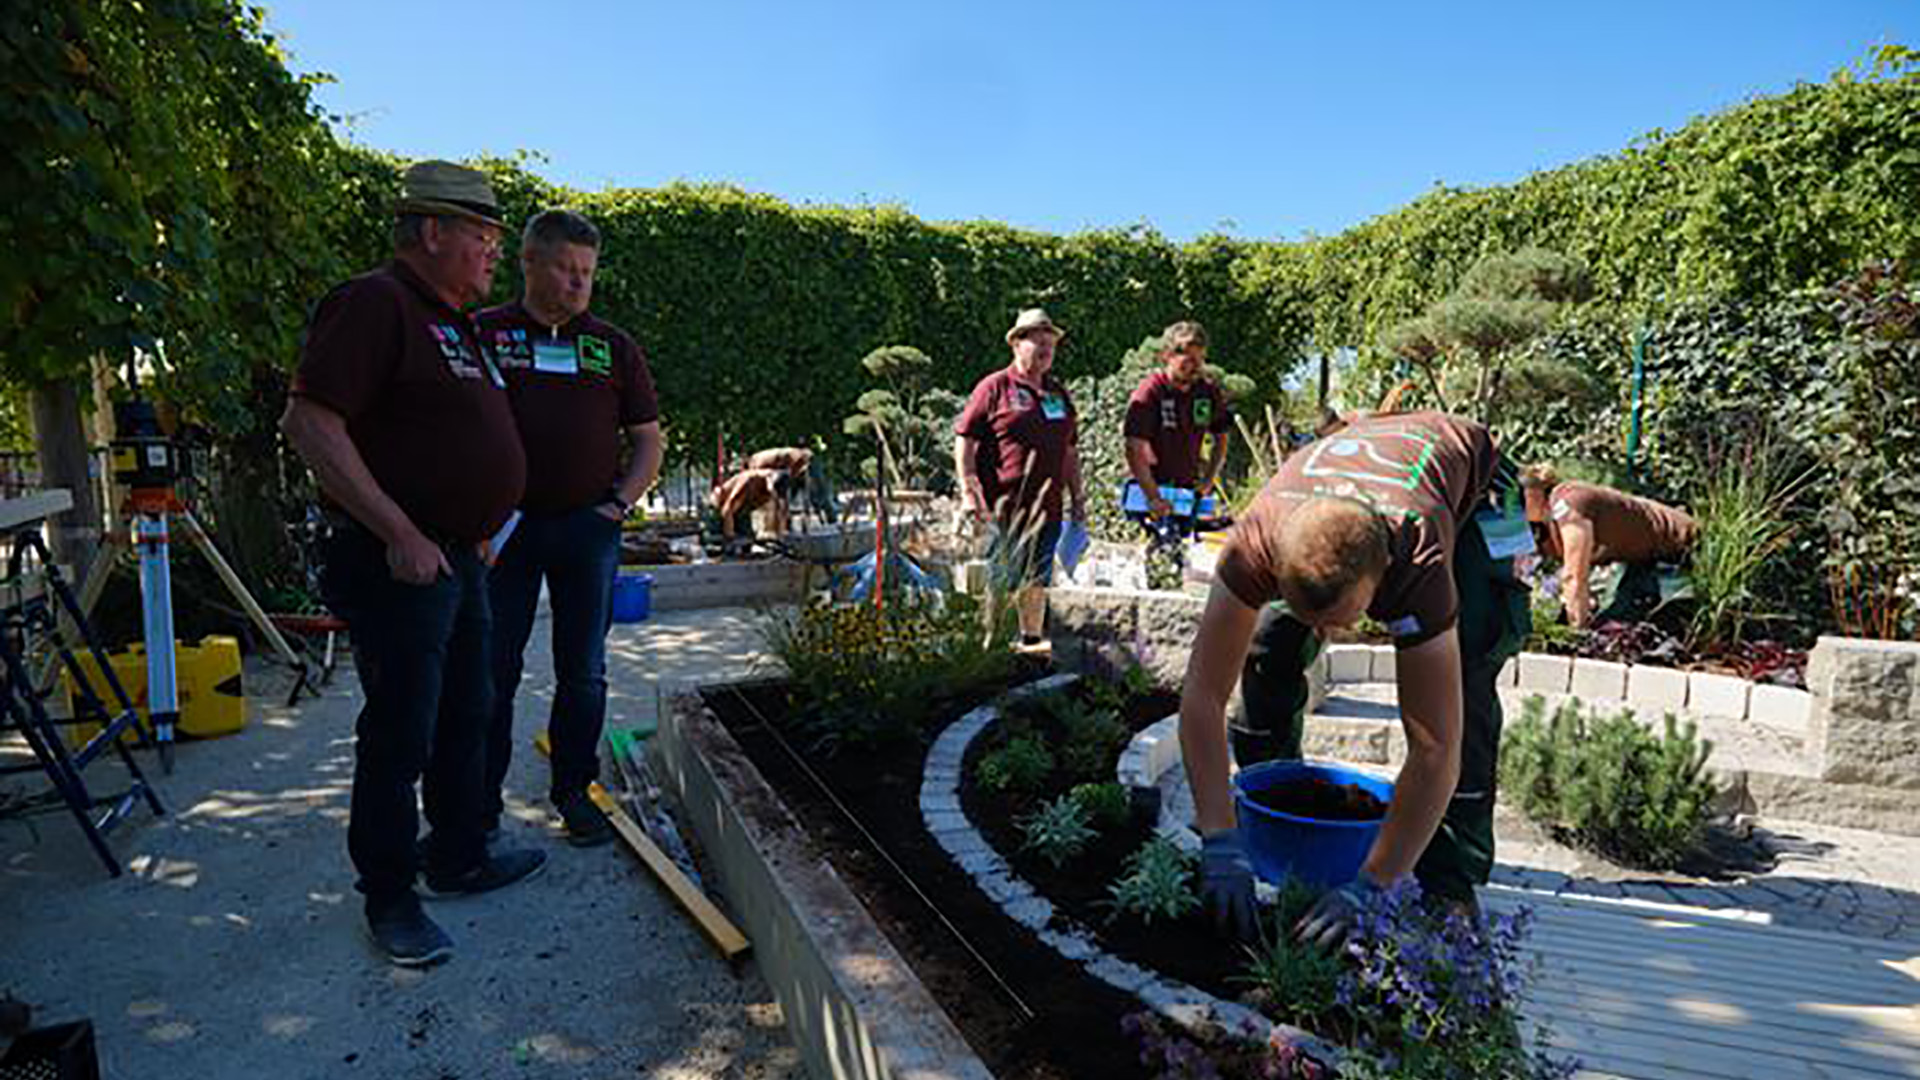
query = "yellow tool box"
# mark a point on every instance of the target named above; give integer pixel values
(212, 701)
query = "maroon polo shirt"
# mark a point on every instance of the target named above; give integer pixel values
(1024, 429)
(1423, 472)
(424, 405)
(574, 389)
(1174, 421)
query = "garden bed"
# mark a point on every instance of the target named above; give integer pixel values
(1030, 962)
(1075, 1027)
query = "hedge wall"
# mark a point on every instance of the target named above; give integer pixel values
(755, 312)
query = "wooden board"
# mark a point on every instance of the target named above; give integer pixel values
(31, 510)
(717, 927)
(1644, 992)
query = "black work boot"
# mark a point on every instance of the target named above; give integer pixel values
(495, 870)
(586, 825)
(403, 933)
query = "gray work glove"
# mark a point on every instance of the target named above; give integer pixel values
(1226, 883)
(1331, 919)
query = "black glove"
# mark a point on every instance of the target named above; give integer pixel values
(1226, 883)
(1332, 917)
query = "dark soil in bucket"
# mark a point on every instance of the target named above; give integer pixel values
(1321, 799)
(980, 965)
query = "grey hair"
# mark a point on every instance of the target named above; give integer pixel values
(409, 231)
(559, 226)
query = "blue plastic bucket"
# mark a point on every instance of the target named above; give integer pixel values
(632, 596)
(1325, 853)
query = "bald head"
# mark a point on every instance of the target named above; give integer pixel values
(1328, 558)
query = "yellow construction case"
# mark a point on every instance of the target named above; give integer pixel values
(212, 701)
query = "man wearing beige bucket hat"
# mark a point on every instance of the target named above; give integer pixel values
(1016, 453)
(402, 415)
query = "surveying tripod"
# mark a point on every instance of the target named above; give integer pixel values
(39, 613)
(148, 463)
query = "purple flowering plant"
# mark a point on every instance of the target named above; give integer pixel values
(1419, 991)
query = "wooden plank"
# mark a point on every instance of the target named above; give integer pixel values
(1758, 1030)
(30, 510)
(717, 927)
(1650, 993)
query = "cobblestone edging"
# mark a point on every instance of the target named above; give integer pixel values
(1852, 907)
(940, 808)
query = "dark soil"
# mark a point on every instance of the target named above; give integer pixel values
(914, 892)
(1321, 799)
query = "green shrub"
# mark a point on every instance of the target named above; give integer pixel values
(1088, 737)
(1021, 766)
(1157, 883)
(1285, 977)
(1607, 783)
(863, 673)
(1057, 831)
(1746, 522)
(1108, 804)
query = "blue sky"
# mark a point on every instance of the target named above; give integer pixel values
(1258, 119)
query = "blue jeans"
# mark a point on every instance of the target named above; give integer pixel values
(421, 652)
(577, 552)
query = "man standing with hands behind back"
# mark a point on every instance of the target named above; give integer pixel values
(577, 384)
(403, 419)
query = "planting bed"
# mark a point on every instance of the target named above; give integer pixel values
(985, 969)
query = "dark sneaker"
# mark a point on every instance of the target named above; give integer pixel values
(404, 935)
(587, 826)
(496, 870)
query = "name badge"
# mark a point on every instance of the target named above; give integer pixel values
(555, 358)
(1053, 407)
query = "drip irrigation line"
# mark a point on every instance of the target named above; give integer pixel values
(873, 842)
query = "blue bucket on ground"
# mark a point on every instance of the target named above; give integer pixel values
(632, 597)
(1324, 853)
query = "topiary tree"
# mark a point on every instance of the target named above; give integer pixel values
(1468, 345)
(909, 418)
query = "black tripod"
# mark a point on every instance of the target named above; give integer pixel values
(38, 602)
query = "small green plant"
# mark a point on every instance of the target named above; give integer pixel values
(1285, 977)
(1090, 739)
(1608, 783)
(1021, 766)
(1157, 883)
(1106, 804)
(1551, 632)
(1058, 831)
(1745, 512)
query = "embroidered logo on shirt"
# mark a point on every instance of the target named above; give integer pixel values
(1368, 458)
(1561, 509)
(1404, 626)
(596, 355)
(1202, 411)
(455, 351)
(511, 348)
(1169, 413)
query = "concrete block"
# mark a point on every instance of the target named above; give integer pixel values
(1163, 634)
(1545, 674)
(1717, 695)
(1509, 673)
(1865, 719)
(1656, 690)
(1349, 663)
(1782, 706)
(1384, 664)
(1106, 614)
(1598, 680)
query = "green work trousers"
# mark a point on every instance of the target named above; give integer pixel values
(1494, 621)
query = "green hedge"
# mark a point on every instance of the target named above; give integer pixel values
(755, 312)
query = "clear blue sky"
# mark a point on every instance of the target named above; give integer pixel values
(1259, 119)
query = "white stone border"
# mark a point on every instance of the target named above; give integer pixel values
(1643, 686)
(940, 808)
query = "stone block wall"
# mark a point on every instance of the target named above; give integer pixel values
(1865, 716)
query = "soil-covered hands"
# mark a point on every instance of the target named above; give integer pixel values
(1226, 883)
(1331, 918)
